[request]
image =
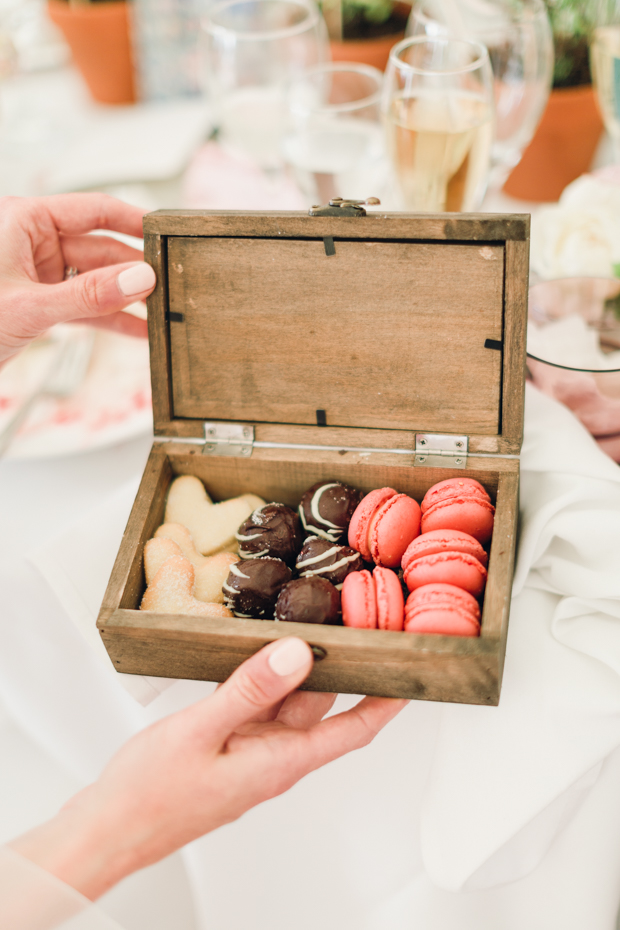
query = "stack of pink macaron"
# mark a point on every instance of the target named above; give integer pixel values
(444, 566)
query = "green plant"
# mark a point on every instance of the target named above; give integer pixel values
(572, 22)
(364, 19)
(373, 11)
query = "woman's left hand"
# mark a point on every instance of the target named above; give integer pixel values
(43, 236)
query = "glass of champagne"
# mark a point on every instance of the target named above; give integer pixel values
(252, 49)
(517, 35)
(439, 116)
(605, 62)
(334, 141)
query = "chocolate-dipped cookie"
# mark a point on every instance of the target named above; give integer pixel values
(308, 600)
(272, 530)
(327, 560)
(252, 587)
(326, 509)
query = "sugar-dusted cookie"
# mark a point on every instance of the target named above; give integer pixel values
(212, 526)
(170, 592)
(211, 571)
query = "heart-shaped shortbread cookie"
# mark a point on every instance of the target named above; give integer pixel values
(210, 571)
(212, 526)
(170, 592)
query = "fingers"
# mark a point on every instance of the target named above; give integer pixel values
(96, 293)
(125, 323)
(254, 687)
(303, 709)
(88, 252)
(74, 214)
(350, 730)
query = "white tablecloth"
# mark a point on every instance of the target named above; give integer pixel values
(456, 817)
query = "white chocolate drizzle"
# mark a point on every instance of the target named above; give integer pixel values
(319, 558)
(236, 571)
(329, 535)
(314, 506)
(329, 568)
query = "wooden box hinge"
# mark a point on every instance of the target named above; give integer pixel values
(228, 439)
(438, 450)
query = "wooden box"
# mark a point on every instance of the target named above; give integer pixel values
(289, 348)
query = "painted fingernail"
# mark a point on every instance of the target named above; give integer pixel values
(290, 655)
(136, 280)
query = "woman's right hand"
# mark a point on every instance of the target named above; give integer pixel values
(202, 768)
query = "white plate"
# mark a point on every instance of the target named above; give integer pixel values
(112, 404)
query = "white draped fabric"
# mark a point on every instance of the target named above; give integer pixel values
(456, 817)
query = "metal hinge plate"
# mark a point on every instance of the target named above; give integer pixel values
(228, 439)
(440, 450)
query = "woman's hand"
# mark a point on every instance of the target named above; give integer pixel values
(41, 237)
(202, 768)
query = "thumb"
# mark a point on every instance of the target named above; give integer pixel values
(98, 293)
(256, 685)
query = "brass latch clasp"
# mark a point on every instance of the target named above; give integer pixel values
(338, 206)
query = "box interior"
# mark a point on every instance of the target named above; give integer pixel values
(285, 482)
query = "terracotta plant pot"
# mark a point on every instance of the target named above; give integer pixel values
(98, 36)
(562, 148)
(373, 52)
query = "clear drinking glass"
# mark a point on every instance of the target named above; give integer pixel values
(518, 37)
(438, 110)
(334, 140)
(573, 346)
(605, 64)
(252, 49)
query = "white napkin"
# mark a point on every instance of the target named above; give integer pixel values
(77, 564)
(144, 142)
(505, 780)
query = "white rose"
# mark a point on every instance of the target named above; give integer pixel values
(591, 192)
(570, 242)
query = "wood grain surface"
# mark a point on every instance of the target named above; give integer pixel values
(483, 227)
(156, 254)
(357, 661)
(381, 334)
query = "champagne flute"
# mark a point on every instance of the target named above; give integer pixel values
(334, 141)
(439, 117)
(605, 63)
(252, 49)
(517, 34)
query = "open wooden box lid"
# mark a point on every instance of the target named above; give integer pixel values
(392, 322)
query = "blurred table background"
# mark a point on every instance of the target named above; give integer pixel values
(62, 712)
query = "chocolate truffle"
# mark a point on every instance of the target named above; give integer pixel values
(326, 509)
(308, 600)
(327, 560)
(272, 530)
(252, 588)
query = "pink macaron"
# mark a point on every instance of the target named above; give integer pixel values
(443, 541)
(373, 601)
(383, 525)
(459, 504)
(457, 568)
(442, 609)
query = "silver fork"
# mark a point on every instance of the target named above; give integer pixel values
(66, 372)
